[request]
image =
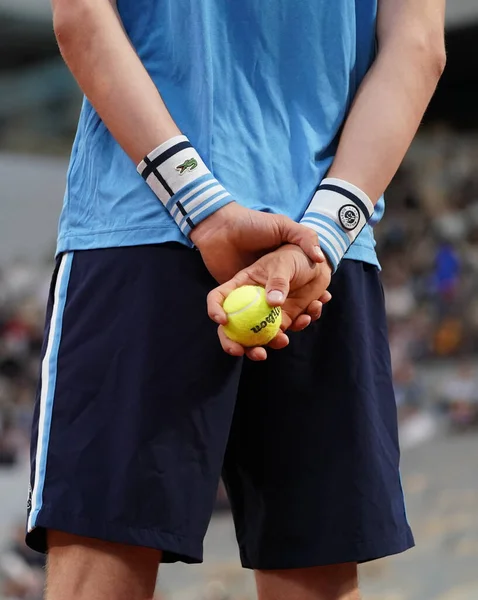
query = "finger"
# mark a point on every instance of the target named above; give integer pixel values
(302, 236)
(279, 342)
(286, 321)
(300, 323)
(215, 298)
(256, 354)
(235, 349)
(314, 310)
(230, 347)
(326, 297)
(280, 273)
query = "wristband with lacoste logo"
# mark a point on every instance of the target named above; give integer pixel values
(338, 212)
(182, 182)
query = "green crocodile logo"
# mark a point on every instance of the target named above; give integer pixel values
(188, 165)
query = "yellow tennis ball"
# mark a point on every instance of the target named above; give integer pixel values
(250, 320)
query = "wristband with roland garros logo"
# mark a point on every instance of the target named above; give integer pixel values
(338, 212)
(182, 182)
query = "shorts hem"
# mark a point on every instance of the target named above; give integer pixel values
(174, 547)
(358, 552)
(364, 254)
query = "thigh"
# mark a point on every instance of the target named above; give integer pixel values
(312, 465)
(134, 404)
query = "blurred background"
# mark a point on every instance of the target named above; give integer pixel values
(428, 247)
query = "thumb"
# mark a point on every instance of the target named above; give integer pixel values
(302, 236)
(278, 283)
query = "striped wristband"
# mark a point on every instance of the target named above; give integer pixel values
(338, 212)
(180, 179)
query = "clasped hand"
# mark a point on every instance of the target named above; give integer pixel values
(240, 246)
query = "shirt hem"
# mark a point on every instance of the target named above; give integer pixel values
(117, 238)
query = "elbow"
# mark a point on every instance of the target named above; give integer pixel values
(441, 63)
(428, 52)
(437, 59)
(422, 52)
(67, 17)
(63, 24)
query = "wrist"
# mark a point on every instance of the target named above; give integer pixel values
(337, 213)
(216, 222)
(182, 182)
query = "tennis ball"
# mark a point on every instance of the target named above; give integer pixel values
(250, 320)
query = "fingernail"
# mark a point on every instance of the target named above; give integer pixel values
(217, 318)
(319, 253)
(275, 296)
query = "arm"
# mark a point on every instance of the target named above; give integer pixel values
(381, 124)
(104, 63)
(102, 60)
(384, 117)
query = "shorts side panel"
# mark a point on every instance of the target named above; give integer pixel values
(142, 405)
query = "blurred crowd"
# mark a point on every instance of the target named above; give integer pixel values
(21, 569)
(428, 248)
(23, 294)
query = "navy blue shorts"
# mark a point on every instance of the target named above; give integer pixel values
(139, 411)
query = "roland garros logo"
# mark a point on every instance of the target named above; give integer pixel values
(349, 217)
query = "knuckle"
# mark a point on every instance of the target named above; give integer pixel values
(277, 281)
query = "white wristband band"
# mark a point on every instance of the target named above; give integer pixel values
(180, 179)
(338, 212)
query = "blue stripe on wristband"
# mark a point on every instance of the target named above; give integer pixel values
(212, 188)
(213, 198)
(326, 238)
(324, 232)
(200, 199)
(331, 253)
(208, 208)
(185, 214)
(327, 221)
(217, 196)
(190, 190)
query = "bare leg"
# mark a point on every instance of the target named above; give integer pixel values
(336, 582)
(82, 568)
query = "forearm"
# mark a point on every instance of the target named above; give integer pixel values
(101, 58)
(382, 122)
(109, 72)
(385, 116)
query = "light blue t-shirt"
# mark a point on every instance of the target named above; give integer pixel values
(260, 87)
